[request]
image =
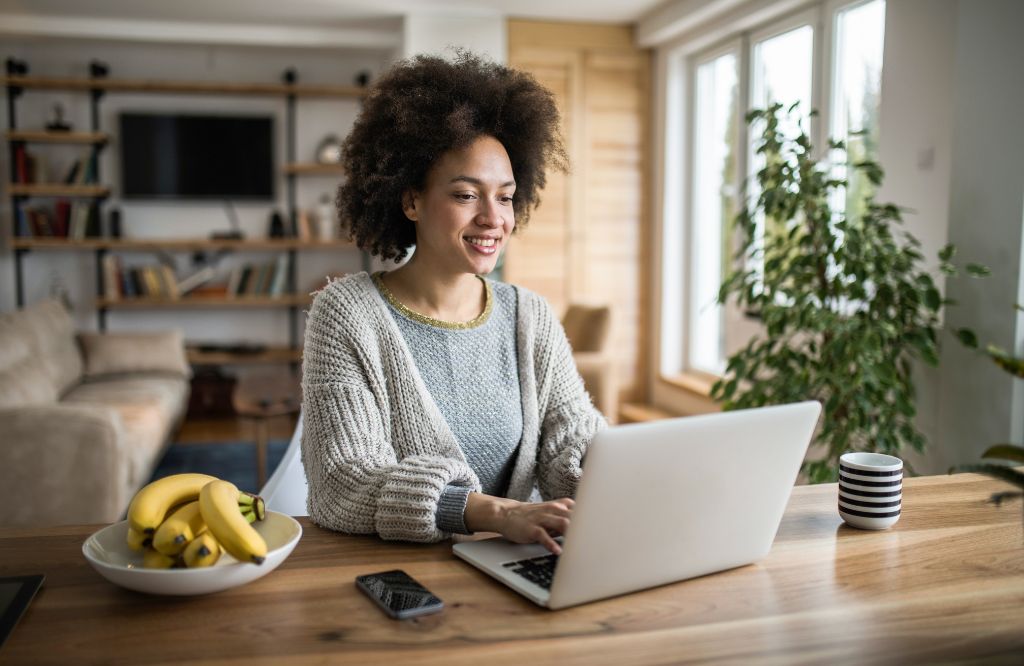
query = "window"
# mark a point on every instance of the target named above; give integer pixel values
(857, 79)
(829, 57)
(713, 205)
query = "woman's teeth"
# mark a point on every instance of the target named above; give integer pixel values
(482, 242)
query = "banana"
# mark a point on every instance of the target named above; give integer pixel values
(138, 541)
(204, 551)
(150, 505)
(218, 502)
(175, 533)
(152, 559)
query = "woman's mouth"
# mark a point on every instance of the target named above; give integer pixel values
(485, 246)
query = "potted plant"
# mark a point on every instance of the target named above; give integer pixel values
(1007, 452)
(846, 303)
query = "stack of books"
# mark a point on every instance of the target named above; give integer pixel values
(151, 281)
(75, 221)
(260, 279)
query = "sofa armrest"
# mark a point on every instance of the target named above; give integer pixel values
(597, 370)
(129, 353)
(62, 464)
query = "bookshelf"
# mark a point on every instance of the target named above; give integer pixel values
(88, 190)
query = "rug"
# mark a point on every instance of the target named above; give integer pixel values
(231, 461)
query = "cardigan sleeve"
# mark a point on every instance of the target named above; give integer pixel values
(569, 419)
(357, 483)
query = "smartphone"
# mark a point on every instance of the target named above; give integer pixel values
(398, 594)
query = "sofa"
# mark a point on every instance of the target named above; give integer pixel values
(84, 418)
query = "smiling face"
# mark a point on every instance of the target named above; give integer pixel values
(464, 213)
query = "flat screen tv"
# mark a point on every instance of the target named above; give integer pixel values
(184, 156)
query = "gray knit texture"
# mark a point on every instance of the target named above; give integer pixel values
(376, 448)
(472, 376)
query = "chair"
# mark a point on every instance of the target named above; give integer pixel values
(588, 328)
(286, 490)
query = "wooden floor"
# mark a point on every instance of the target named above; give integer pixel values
(231, 429)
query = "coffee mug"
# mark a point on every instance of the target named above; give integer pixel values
(870, 490)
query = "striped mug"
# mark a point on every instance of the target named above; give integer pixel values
(870, 490)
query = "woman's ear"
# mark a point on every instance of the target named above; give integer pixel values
(409, 201)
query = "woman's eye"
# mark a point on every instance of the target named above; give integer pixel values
(462, 196)
(506, 200)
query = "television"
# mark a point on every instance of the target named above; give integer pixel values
(202, 157)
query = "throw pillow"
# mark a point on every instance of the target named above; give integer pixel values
(121, 353)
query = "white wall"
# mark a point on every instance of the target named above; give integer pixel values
(981, 405)
(916, 151)
(438, 34)
(315, 119)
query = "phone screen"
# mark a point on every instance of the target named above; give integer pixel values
(398, 594)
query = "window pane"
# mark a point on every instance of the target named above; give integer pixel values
(781, 71)
(857, 78)
(713, 187)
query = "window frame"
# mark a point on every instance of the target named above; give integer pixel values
(737, 36)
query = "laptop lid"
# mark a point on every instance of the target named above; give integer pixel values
(669, 500)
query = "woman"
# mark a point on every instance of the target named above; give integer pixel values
(436, 401)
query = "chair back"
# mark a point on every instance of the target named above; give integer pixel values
(286, 489)
(587, 327)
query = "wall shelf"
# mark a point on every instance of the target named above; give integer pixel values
(176, 244)
(183, 87)
(314, 169)
(203, 302)
(57, 190)
(263, 356)
(45, 136)
(100, 87)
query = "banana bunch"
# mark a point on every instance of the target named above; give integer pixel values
(188, 520)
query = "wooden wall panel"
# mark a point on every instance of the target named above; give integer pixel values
(598, 212)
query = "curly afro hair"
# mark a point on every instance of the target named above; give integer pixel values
(424, 107)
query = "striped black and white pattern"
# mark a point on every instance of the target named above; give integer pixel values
(870, 494)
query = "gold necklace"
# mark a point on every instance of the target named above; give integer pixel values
(440, 323)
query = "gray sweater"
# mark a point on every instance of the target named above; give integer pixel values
(470, 371)
(377, 451)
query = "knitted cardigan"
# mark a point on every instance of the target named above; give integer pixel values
(376, 450)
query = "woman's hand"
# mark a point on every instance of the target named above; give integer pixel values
(520, 522)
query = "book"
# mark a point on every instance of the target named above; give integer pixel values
(243, 282)
(234, 280)
(111, 282)
(280, 279)
(168, 281)
(197, 279)
(262, 283)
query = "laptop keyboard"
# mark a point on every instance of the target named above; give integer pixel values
(537, 570)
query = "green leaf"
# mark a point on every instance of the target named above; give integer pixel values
(1005, 452)
(967, 338)
(932, 298)
(947, 253)
(978, 271)
(1000, 472)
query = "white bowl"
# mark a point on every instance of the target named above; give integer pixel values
(108, 553)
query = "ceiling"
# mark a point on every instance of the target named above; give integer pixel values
(326, 13)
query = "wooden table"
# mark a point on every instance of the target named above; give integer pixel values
(945, 584)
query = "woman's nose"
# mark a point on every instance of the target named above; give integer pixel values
(490, 214)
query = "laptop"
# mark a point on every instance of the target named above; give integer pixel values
(661, 502)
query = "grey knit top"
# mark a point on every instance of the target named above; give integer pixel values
(376, 449)
(470, 372)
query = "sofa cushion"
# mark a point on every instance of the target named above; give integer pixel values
(25, 384)
(15, 343)
(122, 353)
(46, 328)
(149, 408)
